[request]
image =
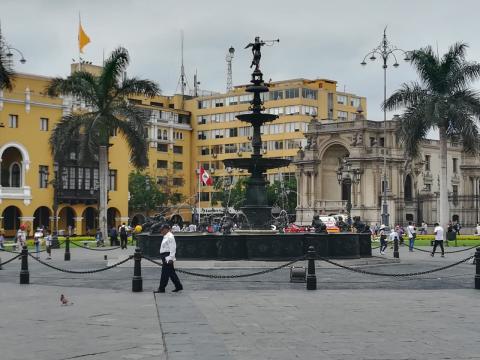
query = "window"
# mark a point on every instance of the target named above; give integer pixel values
(72, 177)
(162, 147)
(13, 121)
(43, 124)
(217, 149)
(162, 180)
(171, 106)
(43, 176)
(232, 100)
(204, 150)
(230, 148)
(455, 194)
(341, 99)
(233, 132)
(87, 178)
(428, 187)
(291, 93)
(427, 162)
(177, 181)
(455, 165)
(178, 165)
(382, 142)
(342, 115)
(202, 135)
(292, 110)
(275, 110)
(204, 104)
(218, 102)
(373, 141)
(309, 110)
(217, 134)
(165, 135)
(112, 180)
(80, 179)
(245, 99)
(355, 102)
(178, 149)
(202, 119)
(309, 93)
(204, 196)
(154, 103)
(276, 95)
(135, 101)
(162, 164)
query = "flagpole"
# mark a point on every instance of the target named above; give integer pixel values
(199, 185)
(78, 40)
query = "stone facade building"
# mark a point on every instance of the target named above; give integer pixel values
(412, 186)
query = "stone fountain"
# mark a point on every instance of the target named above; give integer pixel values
(258, 242)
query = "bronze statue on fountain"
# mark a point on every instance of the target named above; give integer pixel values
(256, 208)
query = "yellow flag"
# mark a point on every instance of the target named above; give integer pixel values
(83, 38)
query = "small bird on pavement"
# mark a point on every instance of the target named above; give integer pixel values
(64, 301)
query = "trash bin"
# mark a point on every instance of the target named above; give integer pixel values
(451, 235)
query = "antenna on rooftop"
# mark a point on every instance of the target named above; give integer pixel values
(182, 82)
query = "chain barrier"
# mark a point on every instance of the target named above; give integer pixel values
(235, 276)
(10, 260)
(395, 275)
(448, 252)
(81, 271)
(93, 249)
(11, 251)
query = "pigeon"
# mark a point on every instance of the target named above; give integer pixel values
(64, 301)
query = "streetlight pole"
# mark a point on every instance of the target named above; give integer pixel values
(385, 50)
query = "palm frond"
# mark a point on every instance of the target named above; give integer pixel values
(61, 138)
(6, 71)
(135, 86)
(80, 83)
(413, 127)
(113, 68)
(407, 95)
(136, 142)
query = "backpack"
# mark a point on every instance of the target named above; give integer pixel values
(123, 231)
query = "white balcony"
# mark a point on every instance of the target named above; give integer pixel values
(16, 193)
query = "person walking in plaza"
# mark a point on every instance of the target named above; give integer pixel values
(113, 236)
(2, 238)
(99, 238)
(123, 236)
(37, 241)
(21, 237)
(412, 234)
(438, 239)
(383, 239)
(167, 254)
(48, 244)
(394, 234)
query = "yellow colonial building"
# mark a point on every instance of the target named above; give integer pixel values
(184, 133)
(218, 135)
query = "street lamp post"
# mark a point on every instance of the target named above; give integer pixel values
(8, 50)
(349, 176)
(385, 50)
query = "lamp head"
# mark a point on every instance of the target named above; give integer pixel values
(373, 58)
(396, 65)
(363, 63)
(231, 50)
(22, 60)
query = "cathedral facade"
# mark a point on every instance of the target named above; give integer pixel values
(340, 171)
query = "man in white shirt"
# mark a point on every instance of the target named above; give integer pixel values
(412, 234)
(438, 239)
(167, 254)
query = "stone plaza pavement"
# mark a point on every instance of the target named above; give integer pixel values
(350, 316)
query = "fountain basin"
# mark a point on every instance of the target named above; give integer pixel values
(251, 246)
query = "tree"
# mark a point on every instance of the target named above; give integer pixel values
(6, 71)
(109, 112)
(144, 193)
(443, 101)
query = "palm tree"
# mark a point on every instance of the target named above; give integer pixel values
(6, 71)
(443, 101)
(106, 97)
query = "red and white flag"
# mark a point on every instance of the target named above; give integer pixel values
(205, 178)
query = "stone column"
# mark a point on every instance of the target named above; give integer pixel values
(78, 225)
(312, 189)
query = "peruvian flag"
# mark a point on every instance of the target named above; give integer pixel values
(206, 179)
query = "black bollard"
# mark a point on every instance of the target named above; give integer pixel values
(24, 273)
(1, 268)
(137, 281)
(396, 254)
(477, 268)
(311, 277)
(67, 249)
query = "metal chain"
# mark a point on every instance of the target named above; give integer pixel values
(81, 271)
(10, 260)
(447, 252)
(235, 276)
(93, 249)
(396, 275)
(11, 251)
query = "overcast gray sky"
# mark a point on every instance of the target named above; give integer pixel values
(317, 38)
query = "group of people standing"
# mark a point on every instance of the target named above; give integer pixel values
(123, 231)
(396, 233)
